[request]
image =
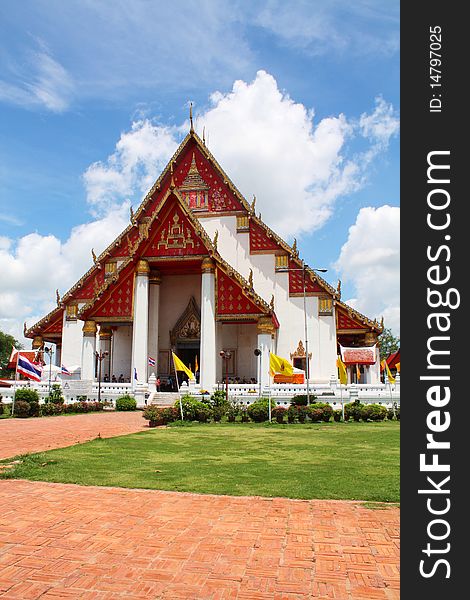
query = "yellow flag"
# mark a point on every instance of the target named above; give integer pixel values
(358, 372)
(279, 365)
(196, 366)
(387, 370)
(398, 367)
(343, 376)
(180, 366)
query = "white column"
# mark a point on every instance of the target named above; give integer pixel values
(140, 325)
(207, 365)
(88, 351)
(154, 312)
(265, 341)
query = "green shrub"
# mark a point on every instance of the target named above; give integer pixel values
(27, 395)
(279, 413)
(82, 398)
(397, 413)
(158, 415)
(302, 412)
(217, 413)
(244, 414)
(219, 398)
(50, 408)
(326, 409)
(373, 412)
(315, 414)
(354, 410)
(301, 399)
(203, 413)
(55, 395)
(259, 410)
(191, 406)
(337, 415)
(2, 407)
(292, 413)
(21, 409)
(126, 402)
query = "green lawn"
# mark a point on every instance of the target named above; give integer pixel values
(335, 460)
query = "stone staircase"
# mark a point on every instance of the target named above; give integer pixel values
(163, 398)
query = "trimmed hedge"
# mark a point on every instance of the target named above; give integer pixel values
(126, 402)
(373, 412)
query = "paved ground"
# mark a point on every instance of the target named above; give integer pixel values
(18, 436)
(66, 541)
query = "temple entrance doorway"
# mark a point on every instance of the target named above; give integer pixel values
(185, 338)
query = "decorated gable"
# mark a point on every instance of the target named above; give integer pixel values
(174, 236)
(296, 283)
(116, 301)
(260, 240)
(231, 299)
(346, 321)
(89, 287)
(54, 327)
(201, 185)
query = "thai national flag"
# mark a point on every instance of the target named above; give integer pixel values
(64, 370)
(29, 369)
(152, 361)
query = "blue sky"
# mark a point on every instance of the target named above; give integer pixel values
(94, 96)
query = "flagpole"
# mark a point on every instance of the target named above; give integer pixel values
(342, 402)
(14, 387)
(178, 388)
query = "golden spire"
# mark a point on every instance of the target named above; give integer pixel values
(191, 129)
(271, 304)
(93, 255)
(338, 287)
(57, 297)
(216, 237)
(253, 204)
(294, 248)
(250, 279)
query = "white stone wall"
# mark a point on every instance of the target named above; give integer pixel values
(122, 351)
(243, 339)
(72, 343)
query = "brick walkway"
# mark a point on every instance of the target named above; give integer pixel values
(19, 436)
(66, 541)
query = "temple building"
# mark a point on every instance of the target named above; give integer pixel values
(196, 272)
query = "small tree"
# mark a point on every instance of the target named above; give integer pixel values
(388, 343)
(6, 343)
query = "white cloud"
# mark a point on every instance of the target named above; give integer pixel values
(370, 260)
(39, 80)
(36, 265)
(140, 156)
(267, 143)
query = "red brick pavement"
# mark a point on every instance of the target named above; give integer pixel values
(66, 541)
(19, 436)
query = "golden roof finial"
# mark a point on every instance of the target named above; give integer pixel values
(25, 329)
(253, 204)
(250, 279)
(216, 237)
(204, 135)
(382, 322)
(132, 215)
(294, 248)
(259, 216)
(93, 255)
(57, 297)
(191, 129)
(338, 287)
(271, 304)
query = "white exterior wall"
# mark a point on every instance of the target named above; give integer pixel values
(72, 343)
(235, 249)
(122, 351)
(243, 339)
